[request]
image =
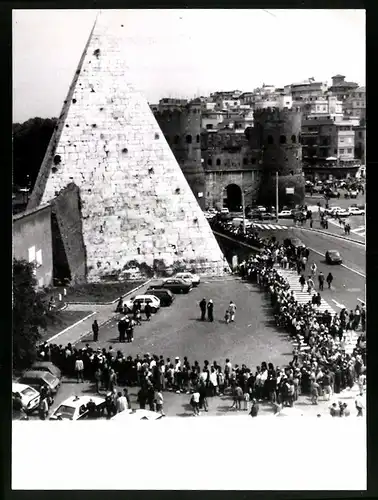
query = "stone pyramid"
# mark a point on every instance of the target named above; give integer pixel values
(138, 211)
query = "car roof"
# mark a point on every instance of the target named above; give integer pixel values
(159, 289)
(333, 251)
(137, 415)
(143, 296)
(17, 387)
(35, 374)
(82, 400)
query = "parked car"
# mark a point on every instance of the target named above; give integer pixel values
(342, 213)
(261, 208)
(285, 214)
(165, 296)
(356, 211)
(137, 415)
(332, 211)
(224, 211)
(353, 193)
(177, 285)
(29, 396)
(267, 216)
(37, 379)
(193, 278)
(212, 211)
(143, 300)
(47, 366)
(75, 408)
(333, 257)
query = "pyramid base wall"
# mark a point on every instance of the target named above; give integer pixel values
(146, 268)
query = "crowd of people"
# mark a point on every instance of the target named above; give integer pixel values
(319, 367)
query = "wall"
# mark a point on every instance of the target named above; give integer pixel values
(33, 229)
(66, 209)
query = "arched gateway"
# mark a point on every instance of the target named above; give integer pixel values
(233, 201)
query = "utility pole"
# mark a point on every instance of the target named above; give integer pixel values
(277, 196)
(243, 203)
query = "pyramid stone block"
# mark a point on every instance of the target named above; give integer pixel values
(136, 204)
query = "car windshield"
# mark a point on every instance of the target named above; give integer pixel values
(65, 411)
(49, 378)
(334, 253)
(28, 391)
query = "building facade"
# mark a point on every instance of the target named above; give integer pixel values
(360, 142)
(355, 104)
(32, 241)
(340, 88)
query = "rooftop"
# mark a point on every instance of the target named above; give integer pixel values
(30, 212)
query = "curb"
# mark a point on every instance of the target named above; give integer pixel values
(69, 327)
(330, 234)
(90, 331)
(113, 301)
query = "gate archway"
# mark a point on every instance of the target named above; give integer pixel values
(233, 200)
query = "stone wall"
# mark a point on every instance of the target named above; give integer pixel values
(68, 228)
(137, 208)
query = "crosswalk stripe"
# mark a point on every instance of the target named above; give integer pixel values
(271, 226)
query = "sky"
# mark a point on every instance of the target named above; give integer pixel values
(186, 53)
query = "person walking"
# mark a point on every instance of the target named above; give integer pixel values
(121, 404)
(159, 401)
(210, 311)
(98, 378)
(121, 329)
(302, 281)
(194, 402)
(202, 305)
(43, 408)
(359, 404)
(310, 285)
(321, 281)
(313, 269)
(95, 330)
(254, 409)
(147, 311)
(232, 309)
(329, 279)
(129, 330)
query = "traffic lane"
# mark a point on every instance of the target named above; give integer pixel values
(353, 254)
(347, 286)
(178, 331)
(340, 202)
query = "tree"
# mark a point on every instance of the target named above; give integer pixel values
(267, 193)
(30, 141)
(29, 314)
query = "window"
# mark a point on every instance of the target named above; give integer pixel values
(176, 139)
(31, 254)
(38, 257)
(335, 151)
(270, 139)
(198, 138)
(349, 150)
(253, 161)
(218, 161)
(209, 126)
(210, 161)
(293, 139)
(342, 139)
(342, 151)
(245, 161)
(282, 139)
(189, 139)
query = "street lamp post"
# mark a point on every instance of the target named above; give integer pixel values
(243, 203)
(277, 196)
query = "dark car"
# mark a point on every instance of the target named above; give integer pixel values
(333, 257)
(296, 243)
(177, 285)
(47, 366)
(268, 216)
(166, 296)
(37, 379)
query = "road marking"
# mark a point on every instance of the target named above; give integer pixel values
(353, 289)
(338, 304)
(342, 265)
(69, 327)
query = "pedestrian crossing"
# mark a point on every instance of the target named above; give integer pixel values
(256, 225)
(361, 230)
(350, 338)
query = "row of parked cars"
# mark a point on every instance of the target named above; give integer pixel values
(345, 212)
(162, 293)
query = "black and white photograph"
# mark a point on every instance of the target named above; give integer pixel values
(189, 206)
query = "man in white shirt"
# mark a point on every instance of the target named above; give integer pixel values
(194, 401)
(79, 368)
(121, 403)
(359, 402)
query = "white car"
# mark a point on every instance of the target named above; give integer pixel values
(224, 211)
(209, 215)
(75, 408)
(332, 210)
(353, 193)
(143, 300)
(137, 415)
(342, 213)
(191, 277)
(260, 208)
(285, 214)
(212, 211)
(30, 397)
(356, 211)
